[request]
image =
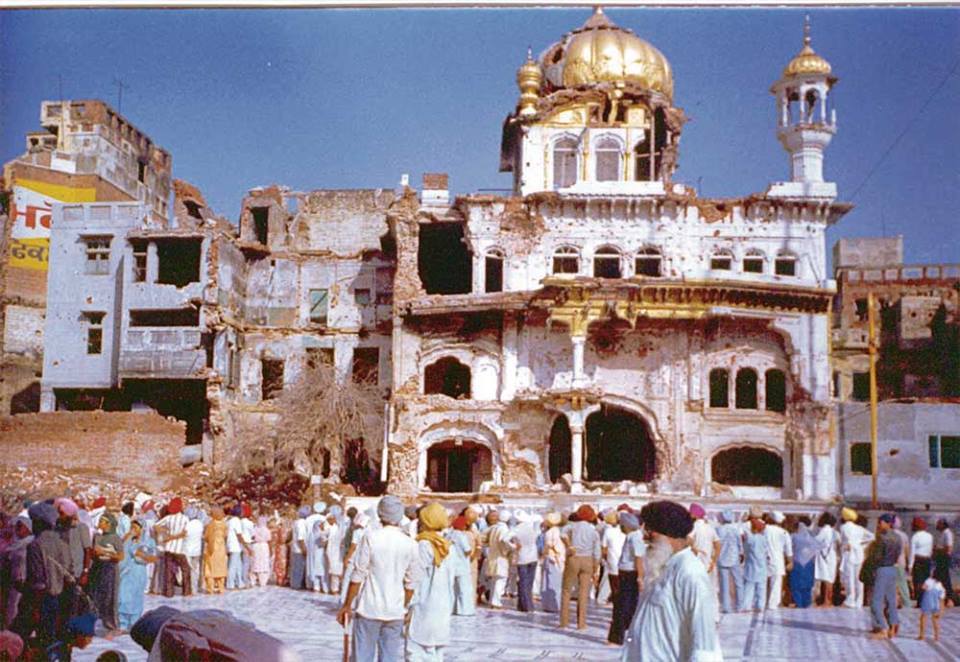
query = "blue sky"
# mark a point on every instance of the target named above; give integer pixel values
(353, 98)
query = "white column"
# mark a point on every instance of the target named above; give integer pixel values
(153, 263)
(576, 457)
(578, 346)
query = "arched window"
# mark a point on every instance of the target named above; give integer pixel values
(785, 265)
(566, 260)
(649, 262)
(754, 467)
(722, 260)
(608, 155)
(606, 263)
(719, 388)
(493, 271)
(753, 262)
(746, 388)
(775, 390)
(447, 376)
(564, 163)
(810, 105)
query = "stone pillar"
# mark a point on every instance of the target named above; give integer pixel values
(48, 401)
(823, 477)
(576, 458)
(153, 263)
(579, 342)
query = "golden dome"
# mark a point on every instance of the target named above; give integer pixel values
(602, 52)
(807, 61)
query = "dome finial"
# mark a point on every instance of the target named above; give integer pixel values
(806, 30)
(529, 54)
(598, 10)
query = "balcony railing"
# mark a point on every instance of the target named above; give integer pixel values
(903, 273)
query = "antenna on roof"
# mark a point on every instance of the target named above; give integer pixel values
(121, 86)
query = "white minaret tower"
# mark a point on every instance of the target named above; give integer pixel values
(806, 124)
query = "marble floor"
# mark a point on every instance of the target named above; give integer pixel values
(306, 622)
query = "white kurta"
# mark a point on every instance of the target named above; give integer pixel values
(334, 551)
(780, 544)
(853, 541)
(825, 565)
(432, 603)
(498, 539)
(702, 539)
(676, 617)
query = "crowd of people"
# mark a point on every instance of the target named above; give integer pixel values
(401, 573)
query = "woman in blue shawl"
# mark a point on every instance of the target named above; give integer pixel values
(138, 551)
(801, 577)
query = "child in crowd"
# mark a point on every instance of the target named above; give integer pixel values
(931, 603)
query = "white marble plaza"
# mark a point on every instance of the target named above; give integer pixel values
(306, 622)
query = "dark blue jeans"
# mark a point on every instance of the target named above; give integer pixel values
(525, 575)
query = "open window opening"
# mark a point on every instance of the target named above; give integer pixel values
(139, 260)
(271, 378)
(458, 466)
(165, 317)
(649, 263)
(785, 265)
(746, 388)
(94, 322)
(447, 376)
(721, 261)
(719, 388)
(178, 261)
(559, 460)
(618, 447)
(141, 171)
(193, 209)
(860, 458)
(608, 155)
(366, 365)
(606, 263)
(261, 223)
(566, 260)
(493, 271)
(861, 386)
(746, 466)
(319, 356)
(564, 163)
(659, 142)
(753, 262)
(775, 390)
(643, 171)
(98, 255)
(444, 262)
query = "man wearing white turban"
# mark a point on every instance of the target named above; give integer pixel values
(498, 540)
(781, 557)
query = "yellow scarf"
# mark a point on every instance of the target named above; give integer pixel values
(433, 519)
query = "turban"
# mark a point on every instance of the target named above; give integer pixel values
(82, 625)
(727, 516)
(848, 515)
(192, 512)
(919, 524)
(629, 521)
(755, 512)
(99, 502)
(504, 515)
(623, 507)
(460, 523)
(67, 506)
(521, 516)
(246, 509)
(554, 518)
(667, 518)
(886, 518)
(433, 519)
(390, 510)
(304, 512)
(175, 506)
(236, 511)
(777, 517)
(44, 512)
(610, 517)
(360, 520)
(697, 511)
(11, 645)
(585, 514)
(319, 507)
(335, 511)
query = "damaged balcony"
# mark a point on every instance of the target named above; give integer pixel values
(162, 344)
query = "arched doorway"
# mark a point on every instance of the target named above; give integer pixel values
(558, 454)
(619, 447)
(458, 466)
(746, 466)
(449, 377)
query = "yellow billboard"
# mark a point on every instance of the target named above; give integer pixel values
(30, 214)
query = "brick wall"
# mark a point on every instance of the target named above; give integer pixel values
(139, 448)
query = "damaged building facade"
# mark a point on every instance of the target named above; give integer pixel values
(917, 330)
(603, 328)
